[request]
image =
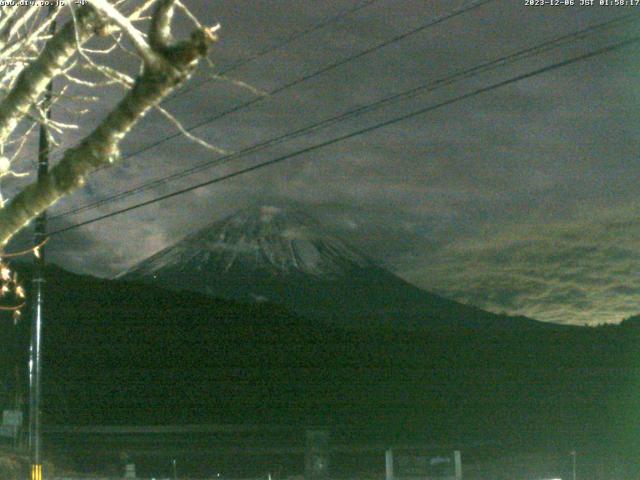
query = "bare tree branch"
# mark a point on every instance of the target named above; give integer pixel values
(101, 147)
(137, 39)
(33, 80)
(188, 134)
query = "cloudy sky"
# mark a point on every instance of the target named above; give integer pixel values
(523, 199)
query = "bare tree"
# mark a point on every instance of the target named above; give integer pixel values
(31, 57)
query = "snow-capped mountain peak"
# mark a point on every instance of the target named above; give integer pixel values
(267, 238)
(285, 257)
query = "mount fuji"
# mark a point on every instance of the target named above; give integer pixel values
(285, 257)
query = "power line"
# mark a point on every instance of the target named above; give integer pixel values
(339, 16)
(291, 38)
(430, 86)
(304, 78)
(610, 48)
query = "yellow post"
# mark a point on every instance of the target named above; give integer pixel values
(36, 472)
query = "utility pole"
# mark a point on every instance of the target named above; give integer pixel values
(35, 351)
(388, 463)
(573, 455)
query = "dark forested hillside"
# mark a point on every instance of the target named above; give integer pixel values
(118, 352)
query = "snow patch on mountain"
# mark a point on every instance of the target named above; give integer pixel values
(267, 238)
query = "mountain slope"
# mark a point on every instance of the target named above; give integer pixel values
(128, 353)
(267, 253)
(268, 240)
